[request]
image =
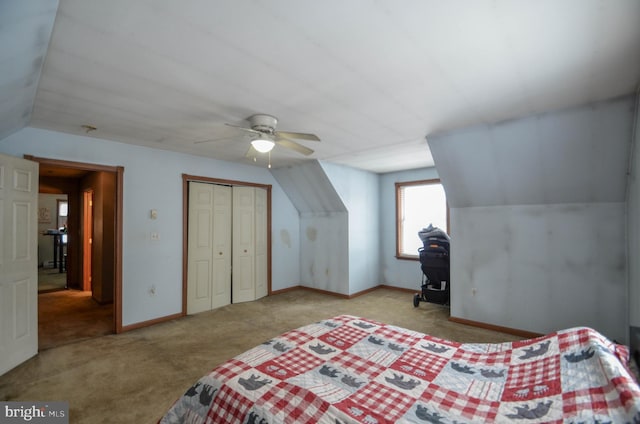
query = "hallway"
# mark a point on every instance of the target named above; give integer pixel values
(69, 316)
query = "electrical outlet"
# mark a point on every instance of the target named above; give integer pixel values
(473, 291)
(155, 236)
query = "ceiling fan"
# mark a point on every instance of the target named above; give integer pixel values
(264, 136)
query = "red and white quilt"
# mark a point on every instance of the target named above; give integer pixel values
(355, 370)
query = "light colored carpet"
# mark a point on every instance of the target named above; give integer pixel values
(136, 376)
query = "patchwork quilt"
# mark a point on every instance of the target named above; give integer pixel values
(354, 370)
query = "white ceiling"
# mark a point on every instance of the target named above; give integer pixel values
(371, 78)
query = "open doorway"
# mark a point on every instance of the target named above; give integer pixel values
(89, 305)
(52, 242)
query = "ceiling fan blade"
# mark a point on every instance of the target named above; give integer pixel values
(290, 144)
(300, 136)
(244, 128)
(213, 140)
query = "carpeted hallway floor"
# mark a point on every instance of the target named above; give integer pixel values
(51, 279)
(135, 377)
(69, 316)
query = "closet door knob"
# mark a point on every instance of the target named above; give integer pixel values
(245, 250)
(219, 253)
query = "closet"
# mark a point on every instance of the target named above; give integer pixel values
(227, 260)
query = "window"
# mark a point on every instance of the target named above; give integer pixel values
(63, 213)
(418, 204)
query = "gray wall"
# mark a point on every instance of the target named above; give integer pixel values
(360, 192)
(153, 180)
(540, 267)
(324, 237)
(538, 219)
(324, 251)
(339, 225)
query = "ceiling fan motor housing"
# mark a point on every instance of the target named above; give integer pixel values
(263, 123)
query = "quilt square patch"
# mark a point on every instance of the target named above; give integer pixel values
(378, 350)
(316, 329)
(544, 410)
(296, 337)
(480, 359)
(252, 383)
(419, 363)
(229, 370)
(402, 382)
(274, 347)
(329, 381)
(230, 407)
(358, 365)
(434, 346)
(381, 403)
(534, 349)
(294, 362)
(290, 403)
(365, 324)
(481, 382)
(577, 337)
(533, 379)
(343, 337)
(575, 375)
(455, 404)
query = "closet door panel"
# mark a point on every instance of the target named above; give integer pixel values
(261, 247)
(243, 278)
(209, 257)
(221, 264)
(200, 245)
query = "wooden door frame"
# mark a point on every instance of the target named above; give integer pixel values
(118, 171)
(87, 237)
(186, 179)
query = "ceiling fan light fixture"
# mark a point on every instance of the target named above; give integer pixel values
(263, 145)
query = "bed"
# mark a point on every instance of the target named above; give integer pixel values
(354, 370)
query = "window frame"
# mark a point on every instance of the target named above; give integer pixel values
(399, 186)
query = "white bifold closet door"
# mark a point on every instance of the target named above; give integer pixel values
(209, 254)
(227, 258)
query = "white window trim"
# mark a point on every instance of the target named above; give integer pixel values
(399, 186)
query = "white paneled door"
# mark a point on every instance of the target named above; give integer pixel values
(209, 258)
(244, 251)
(18, 261)
(261, 247)
(227, 245)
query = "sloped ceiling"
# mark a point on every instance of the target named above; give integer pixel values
(578, 155)
(25, 30)
(309, 188)
(371, 78)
